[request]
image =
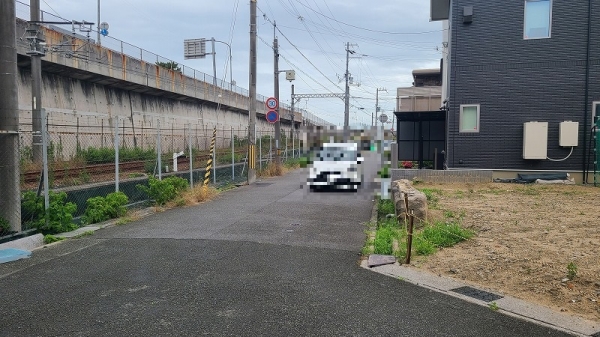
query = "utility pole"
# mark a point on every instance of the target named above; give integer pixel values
(252, 94)
(292, 108)
(10, 203)
(98, 26)
(377, 102)
(347, 92)
(276, 95)
(36, 76)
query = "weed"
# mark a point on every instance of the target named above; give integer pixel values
(163, 191)
(59, 217)
(271, 170)
(494, 306)
(446, 235)
(571, 270)
(400, 278)
(449, 214)
(49, 238)
(529, 190)
(84, 234)
(385, 207)
(4, 226)
(432, 196)
(101, 209)
(200, 193)
(384, 237)
(123, 221)
(180, 202)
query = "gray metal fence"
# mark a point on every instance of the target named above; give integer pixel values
(89, 156)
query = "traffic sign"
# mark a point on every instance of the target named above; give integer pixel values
(272, 116)
(383, 118)
(272, 103)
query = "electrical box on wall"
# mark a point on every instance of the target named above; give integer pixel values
(535, 140)
(569, 132)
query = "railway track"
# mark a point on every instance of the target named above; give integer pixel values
(139, 166)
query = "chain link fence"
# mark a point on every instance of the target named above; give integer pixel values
(95, 155)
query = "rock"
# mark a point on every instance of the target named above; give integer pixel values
(564, 280)
(417, 201)
(380, 260)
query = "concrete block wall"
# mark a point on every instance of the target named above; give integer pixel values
(446, 176)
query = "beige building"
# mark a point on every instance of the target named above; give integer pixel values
(424, 95)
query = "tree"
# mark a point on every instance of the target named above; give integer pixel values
(170, 65)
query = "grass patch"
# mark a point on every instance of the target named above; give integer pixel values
(432, 195)
(49, 238)
(84, 234)
(199, 193)
(385, 234)
(528, 190)
(274, 170)
(385, 207)
(426, 241)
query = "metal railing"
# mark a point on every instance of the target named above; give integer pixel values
(23, 12)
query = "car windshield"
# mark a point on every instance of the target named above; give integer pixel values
(337, 154)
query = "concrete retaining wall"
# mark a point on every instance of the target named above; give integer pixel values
(446, 176)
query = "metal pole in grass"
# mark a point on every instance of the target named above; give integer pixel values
(214, 154)
(411, 218)
(116, 146)
(158, 150)
(270, 148)
(45, 162)
(232, 157)
(191, 155)
(260, 152)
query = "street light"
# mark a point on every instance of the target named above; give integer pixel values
(230, 62)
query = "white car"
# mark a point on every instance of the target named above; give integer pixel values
(336, 166)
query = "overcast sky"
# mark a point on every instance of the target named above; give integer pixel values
(390, 38)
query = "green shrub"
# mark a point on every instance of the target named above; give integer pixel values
(163, 191)
(101, 209)
(4, 226)
(59, 217)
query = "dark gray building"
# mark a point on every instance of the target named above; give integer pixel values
(518, 61)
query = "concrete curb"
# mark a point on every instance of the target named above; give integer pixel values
(507, 305)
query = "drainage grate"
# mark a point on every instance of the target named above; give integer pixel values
(263, 184)
(476, 293)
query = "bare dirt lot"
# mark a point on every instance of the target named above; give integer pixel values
(526, 236)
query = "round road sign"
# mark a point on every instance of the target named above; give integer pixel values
(272, 103)
(383, 118)
(272, 116)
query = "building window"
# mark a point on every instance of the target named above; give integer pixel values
(595, 111)
(469, 118)
(538, 19)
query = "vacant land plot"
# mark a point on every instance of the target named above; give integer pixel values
(540, 243)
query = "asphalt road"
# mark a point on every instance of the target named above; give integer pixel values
(269, 259)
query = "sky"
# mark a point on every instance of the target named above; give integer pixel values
(389, 38)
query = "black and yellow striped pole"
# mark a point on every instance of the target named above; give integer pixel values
(209, 163)
(252, 157)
